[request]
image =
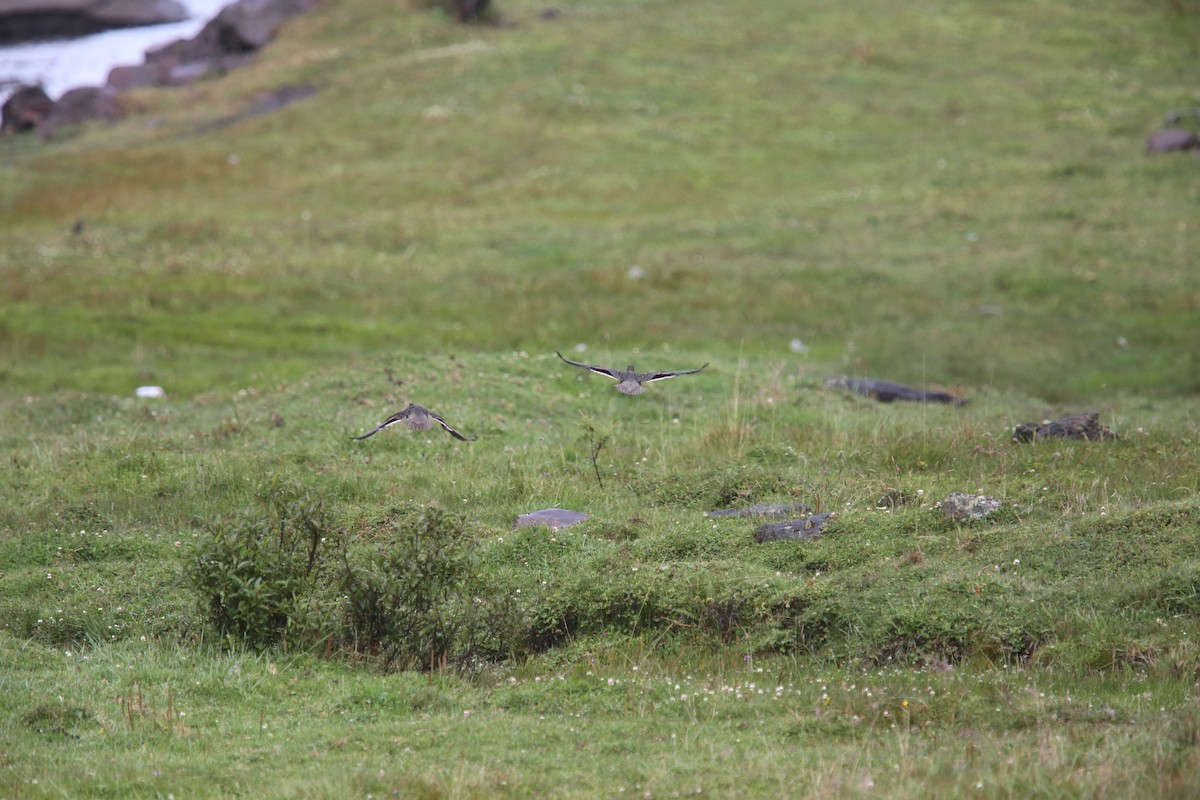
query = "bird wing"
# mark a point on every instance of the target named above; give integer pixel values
(662, 376)
(370, 433)
(446, 425)
(605, 371)
(392, 420)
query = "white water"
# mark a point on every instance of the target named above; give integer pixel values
(70, 63)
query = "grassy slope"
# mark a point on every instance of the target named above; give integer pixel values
(455, 204)
(865, 182)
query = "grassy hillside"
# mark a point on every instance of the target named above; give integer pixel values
(865, 182)
(952, 196)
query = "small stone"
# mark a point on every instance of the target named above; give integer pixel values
(962, 506)
(555, 518)
(806, 529)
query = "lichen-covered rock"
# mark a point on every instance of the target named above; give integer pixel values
(806, 529)
(962, 506)
(1084, 426)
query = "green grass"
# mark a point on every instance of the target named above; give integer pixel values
(951, 196)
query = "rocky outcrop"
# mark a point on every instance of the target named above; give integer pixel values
(35, 20)
(226, 42)
(82, 105)
(25, 109)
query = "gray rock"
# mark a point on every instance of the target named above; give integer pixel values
(1084, 426)
(82, 105)
(806, 529)
(962, 506)
(555, 518)
(1172, 139)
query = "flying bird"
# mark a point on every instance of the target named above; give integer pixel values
(629, 381)
(417, 418)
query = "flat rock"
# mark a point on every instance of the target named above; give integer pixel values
(1170, 140)
(762, 510)
(806, 529)
(963, 506)
(887, 392)
(555, 518)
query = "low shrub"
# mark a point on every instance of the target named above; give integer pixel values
(400, 588)
(255, 573)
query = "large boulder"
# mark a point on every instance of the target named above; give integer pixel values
(33, 20)
(82, 105)
(25, 109)
(240, 28)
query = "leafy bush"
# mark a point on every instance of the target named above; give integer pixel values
(255, 574)
(407, 595)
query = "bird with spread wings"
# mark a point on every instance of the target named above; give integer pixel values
(417, 418)
(629, 381)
